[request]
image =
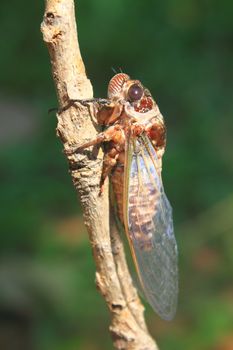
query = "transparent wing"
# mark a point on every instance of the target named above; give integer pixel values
(149, 226)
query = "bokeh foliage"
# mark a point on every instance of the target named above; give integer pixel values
(182, 51)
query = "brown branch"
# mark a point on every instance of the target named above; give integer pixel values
(75, 125)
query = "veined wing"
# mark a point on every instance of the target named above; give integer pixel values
(149, 227)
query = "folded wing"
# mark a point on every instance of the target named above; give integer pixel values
(149, 227)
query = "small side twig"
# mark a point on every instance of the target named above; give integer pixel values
(75, 125)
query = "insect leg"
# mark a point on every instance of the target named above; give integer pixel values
(84, 102)
(110, 160)
(101, 101)
(106, 135)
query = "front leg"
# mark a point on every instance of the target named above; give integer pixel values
(84, 102)
(104, 136)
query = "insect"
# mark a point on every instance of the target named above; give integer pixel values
(135, 139)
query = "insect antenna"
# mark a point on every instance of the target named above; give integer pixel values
(114, 70)
(54, 109)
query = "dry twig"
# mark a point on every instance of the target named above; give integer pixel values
(75, 125)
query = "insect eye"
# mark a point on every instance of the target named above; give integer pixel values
(135, 92)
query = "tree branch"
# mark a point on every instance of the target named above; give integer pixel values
(75, 125)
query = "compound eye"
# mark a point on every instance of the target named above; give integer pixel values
(135, 92)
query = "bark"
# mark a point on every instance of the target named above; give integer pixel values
(76, 124)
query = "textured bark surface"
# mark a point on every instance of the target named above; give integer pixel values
(76, 125)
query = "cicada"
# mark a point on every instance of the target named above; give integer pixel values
(135, 139)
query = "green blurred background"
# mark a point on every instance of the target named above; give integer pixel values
(182, 50)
